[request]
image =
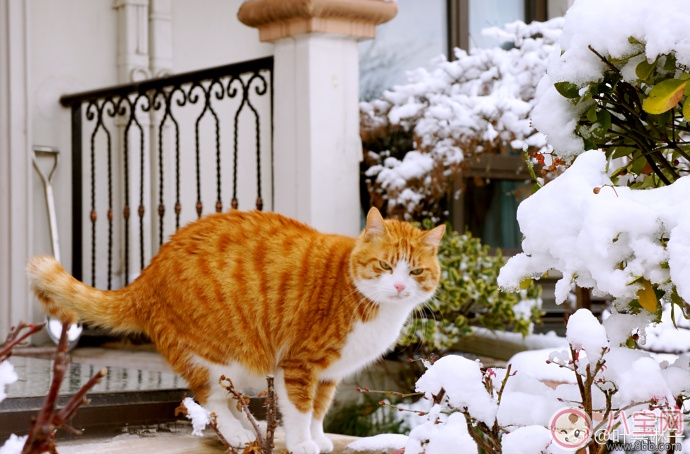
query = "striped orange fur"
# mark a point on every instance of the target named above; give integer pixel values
(248, 294)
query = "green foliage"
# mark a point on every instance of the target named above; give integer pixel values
(645, 120)
(364, 419)
(468, 295)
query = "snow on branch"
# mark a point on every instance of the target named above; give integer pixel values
(480, 102)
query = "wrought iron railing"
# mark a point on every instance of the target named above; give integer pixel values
(128, 141)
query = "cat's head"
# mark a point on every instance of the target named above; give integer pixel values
(394, 262)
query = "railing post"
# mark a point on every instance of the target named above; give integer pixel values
(317, 103)
(77, 209)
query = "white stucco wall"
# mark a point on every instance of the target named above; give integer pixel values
(56, 47)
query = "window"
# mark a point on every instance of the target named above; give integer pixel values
(491, 186)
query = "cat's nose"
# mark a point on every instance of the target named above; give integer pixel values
(399, 287)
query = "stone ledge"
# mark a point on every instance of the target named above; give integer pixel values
(278, 19)
(176, 439)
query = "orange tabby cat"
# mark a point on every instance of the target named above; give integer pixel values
(246, 294)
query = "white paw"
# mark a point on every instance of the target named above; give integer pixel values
(306, 447)
(239, 438)
(324, 443)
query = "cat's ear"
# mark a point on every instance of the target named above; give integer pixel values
(375, 225)
(433, 236)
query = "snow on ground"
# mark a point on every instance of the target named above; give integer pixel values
(8, 376)
(382, 443)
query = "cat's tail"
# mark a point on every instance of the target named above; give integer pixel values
(67, 299)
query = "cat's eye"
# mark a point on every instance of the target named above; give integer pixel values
(384, 265)
(416, 271)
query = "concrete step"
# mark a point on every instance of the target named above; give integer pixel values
(175, 438)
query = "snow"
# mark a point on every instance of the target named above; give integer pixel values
(7, 377)
(432, 438)
(606, 26)
(461, 378)
(382, 443)
(13, 445)
(479, 102)
(605, 241)
(584, 332)
(526, 440)
(540, 365)
(199, 415)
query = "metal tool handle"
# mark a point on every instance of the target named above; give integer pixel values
(50, 199)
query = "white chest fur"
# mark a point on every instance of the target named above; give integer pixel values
(368, 341)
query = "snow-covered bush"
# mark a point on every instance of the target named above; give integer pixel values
(620, 80)
(620, 83)
(417, 135)
(617, 241)
(468, 295)
(509, 411)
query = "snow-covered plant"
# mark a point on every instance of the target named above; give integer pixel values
(509, 411)
(620, 83)
(468, 295)
(615, 240)
(417, 135)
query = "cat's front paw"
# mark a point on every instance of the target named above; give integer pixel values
(324, 443)
(306, 447)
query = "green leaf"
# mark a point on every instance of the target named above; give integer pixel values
(589, 144)
(592, 113)
(644, 69)
(638, 165)
(603, 123)
(622, 151)
(686, 107)
(664, 96)
(670, 63)
(567, 89)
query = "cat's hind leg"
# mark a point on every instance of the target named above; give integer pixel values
(322, 401)
(296, 390)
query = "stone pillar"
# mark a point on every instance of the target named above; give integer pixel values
(317, 148)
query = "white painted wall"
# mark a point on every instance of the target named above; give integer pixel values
(15, 190)
(55, 47)
(207, 33)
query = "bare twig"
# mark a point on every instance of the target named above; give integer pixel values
(42, 432)
(271, 416)
(214, 426)
(243, 404)
(14, 339)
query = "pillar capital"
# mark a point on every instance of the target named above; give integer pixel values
(278, 19)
